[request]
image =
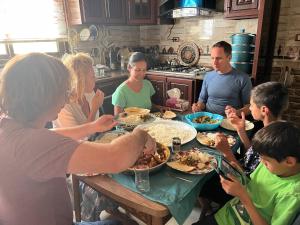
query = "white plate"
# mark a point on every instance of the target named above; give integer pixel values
(208, 139)
(227, 125)
(109, 136)
(84, 34)
(164, 130)
(134, 120)
(211, 163)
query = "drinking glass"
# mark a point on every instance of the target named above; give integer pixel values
(141, 178)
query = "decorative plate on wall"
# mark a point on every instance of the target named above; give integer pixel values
(188, 54)
(84, 34)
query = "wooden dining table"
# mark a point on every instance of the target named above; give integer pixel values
(150, 212)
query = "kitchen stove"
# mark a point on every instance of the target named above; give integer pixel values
(179, 70)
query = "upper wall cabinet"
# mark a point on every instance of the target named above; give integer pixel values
(141, 12)
(95, 11)
(136, 12)
(241, 9)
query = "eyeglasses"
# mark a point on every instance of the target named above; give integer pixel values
(140, 70)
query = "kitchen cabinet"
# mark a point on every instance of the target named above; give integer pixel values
(95, 11)
(108, 86)
(135, 12)
(189, 87)
(241, 9)
(184, 85)
(141, 12)
(160, 87)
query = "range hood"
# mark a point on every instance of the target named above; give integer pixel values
(191, 11)
(187, 8)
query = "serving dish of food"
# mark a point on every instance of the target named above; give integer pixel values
(204, 120)
(193, 161)
(208, 139)
(164, 130)
(227, 125)
(152, 162)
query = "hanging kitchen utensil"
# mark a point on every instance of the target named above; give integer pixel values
(93, 32)
(188, 54)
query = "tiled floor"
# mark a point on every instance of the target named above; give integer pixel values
(193, 217)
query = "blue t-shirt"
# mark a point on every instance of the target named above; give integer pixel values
(220, 90)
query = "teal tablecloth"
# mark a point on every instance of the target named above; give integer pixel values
(178, 195)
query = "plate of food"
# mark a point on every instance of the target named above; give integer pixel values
(208, 139)
(136, 111)
(152, 162)
(165, 130)
(109, 136)
(168, 115)
(135, 119)
(227, 125)
(193, 161)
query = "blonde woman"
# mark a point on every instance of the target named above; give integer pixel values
(83, 107)
(84, 103)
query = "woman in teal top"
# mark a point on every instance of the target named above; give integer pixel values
(135, 91)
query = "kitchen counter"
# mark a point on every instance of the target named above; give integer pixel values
(115, 74)
(177, 74)
(112, 75)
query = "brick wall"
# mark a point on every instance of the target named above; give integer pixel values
(286, 63)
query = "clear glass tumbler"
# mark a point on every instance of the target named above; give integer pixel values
(142, 181)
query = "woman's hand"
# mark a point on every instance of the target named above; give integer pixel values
(149, 142)
(150, 146)
(97, 100)
(105, 123)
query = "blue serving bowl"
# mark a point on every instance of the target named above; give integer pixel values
(204, 126)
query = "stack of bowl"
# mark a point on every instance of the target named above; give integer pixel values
(243, 51)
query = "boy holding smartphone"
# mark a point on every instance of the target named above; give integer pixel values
(273, 194)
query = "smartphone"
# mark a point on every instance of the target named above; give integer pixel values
(222, 174)
(225, 168)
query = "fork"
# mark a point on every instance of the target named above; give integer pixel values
(180, 178)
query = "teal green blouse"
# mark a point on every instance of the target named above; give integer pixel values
(124, 97)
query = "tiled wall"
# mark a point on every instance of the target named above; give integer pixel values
(286, 65)
(204, 31)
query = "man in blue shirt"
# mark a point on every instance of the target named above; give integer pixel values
(224, 86)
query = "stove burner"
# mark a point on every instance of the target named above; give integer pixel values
(194, 70)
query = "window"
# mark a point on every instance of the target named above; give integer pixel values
(20, 48)
(2, 49)
(31, 25)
